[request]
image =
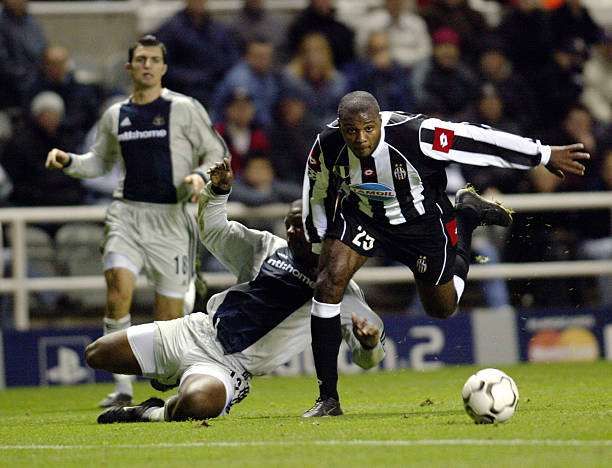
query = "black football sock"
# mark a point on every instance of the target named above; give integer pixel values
(326, 338)
(467, 221)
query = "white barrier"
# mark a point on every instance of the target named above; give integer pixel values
(20, 285)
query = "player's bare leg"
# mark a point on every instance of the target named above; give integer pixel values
(168, 308)
(200, 397)
(113, 353)
(439, 301)
(120, 284)
(337, 265)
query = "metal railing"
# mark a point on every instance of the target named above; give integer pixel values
(20, 285)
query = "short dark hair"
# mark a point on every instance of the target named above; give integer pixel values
(357, 102)
(147, 41)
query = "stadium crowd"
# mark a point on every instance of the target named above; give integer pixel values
(544, 71)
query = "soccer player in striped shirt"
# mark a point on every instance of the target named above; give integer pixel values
(375, 186)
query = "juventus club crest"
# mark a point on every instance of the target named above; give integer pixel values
(399, 172)
(421, 264)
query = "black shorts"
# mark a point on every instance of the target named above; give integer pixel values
(426, 245)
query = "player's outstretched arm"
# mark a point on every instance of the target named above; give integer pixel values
(233, 244)
(566, 159)
(57, 159)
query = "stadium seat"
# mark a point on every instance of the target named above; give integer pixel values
(78, 251)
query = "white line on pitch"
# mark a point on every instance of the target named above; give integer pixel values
(382, 443)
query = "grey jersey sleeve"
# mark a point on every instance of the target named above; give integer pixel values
(103, 154)
(354, 303)
(207, 143)
(240, 249)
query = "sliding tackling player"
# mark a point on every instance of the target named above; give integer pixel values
(249, 329)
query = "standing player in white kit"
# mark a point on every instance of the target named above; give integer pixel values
(165, 143)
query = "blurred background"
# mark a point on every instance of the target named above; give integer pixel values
(270, 74)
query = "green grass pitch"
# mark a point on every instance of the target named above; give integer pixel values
(402, 418)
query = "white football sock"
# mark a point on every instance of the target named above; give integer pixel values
(459, 287)
(155, 414)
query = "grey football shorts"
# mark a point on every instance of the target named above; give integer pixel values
(159, 239)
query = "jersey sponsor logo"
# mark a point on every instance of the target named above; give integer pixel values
(443, 139)
(142, 135)
(399, 172)
(125, 122)
(291, 269)
(373, 191)
(421, 264)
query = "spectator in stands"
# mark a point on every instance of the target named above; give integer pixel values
(313, 74)
(597, 94)
(596, 235)
(469, 24)
(559, 83)
(382, 76)
(291, 137)
(540, 237)
(489, 110)
(516, 95)
(572, 20)
(242, 134)
(6, 186)
(525, 32)
(409, 39)
(445, 78)
(255, 22)
(200, 51)
(24, 158)
(255, 74)
(81, 100)
(258, 185)
(22, 43)
(578, 123)
(319, 17)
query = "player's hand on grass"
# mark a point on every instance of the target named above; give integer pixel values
(221, 175)
(196, 183)
(57, 159)
(367, 333)
(566, 159)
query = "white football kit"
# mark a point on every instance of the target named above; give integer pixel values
(252, 327)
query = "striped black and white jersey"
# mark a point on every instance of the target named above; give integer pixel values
(405, 177)
(157, 145)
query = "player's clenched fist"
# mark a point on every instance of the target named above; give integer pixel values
(221, 174)
(57, 159)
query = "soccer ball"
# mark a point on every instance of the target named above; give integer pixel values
(490, 396)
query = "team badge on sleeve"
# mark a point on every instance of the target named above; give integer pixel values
(443, 139)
